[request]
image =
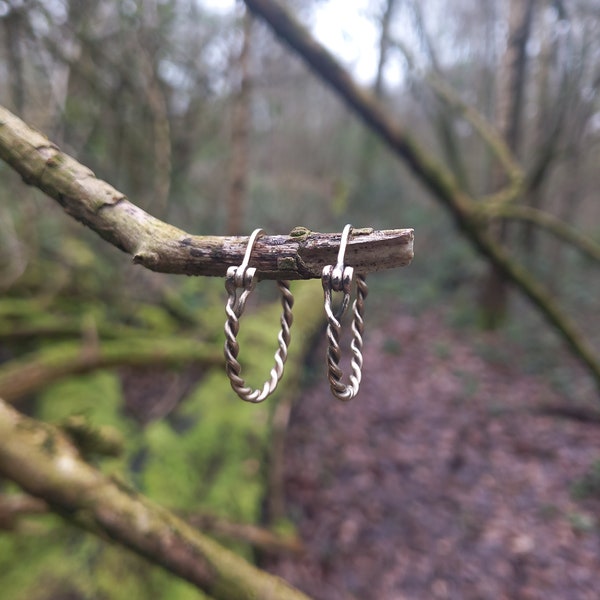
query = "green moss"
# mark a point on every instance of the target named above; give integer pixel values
(98, 396)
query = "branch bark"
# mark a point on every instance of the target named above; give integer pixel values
(162, 247)
(43, 461)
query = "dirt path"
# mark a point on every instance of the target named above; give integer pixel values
(441, 480)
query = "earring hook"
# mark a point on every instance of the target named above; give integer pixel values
(240, 271)
(337, 274)
(338, 278)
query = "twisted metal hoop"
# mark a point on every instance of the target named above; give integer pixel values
(244, 277)
(339, 279)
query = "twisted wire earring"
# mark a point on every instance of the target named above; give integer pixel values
(339, 279)
(245, 277)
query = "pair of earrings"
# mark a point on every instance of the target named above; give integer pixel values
(336, 278)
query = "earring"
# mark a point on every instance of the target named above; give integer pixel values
(245, 277)
(339, 279)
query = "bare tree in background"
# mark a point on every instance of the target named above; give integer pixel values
(510, 104)
(240, 134)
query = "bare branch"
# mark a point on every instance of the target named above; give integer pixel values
(43, 461)
(488, 134)
(258, 537)
(161, 247)
(22, 376)
(544, 220)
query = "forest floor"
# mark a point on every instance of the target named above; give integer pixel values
(451, 475)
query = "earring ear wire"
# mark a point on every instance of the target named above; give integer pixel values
(339, 279)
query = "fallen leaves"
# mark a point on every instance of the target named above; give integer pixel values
(442, 479)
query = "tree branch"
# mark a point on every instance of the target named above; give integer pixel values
(15, 506)
(257, 537)
(488, 134)
(43, 461)
(161, 247)
(544, 220)
(22, 376)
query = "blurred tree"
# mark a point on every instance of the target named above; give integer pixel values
(369, 153)
(509, 123)
(240, 130)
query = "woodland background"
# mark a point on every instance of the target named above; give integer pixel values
(204, 119)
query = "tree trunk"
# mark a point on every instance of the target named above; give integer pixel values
(370, 144)
(240, 129)
(11, 25)
(509, 110)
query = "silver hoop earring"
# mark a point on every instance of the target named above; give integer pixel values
(245, 277)
(339, 279)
